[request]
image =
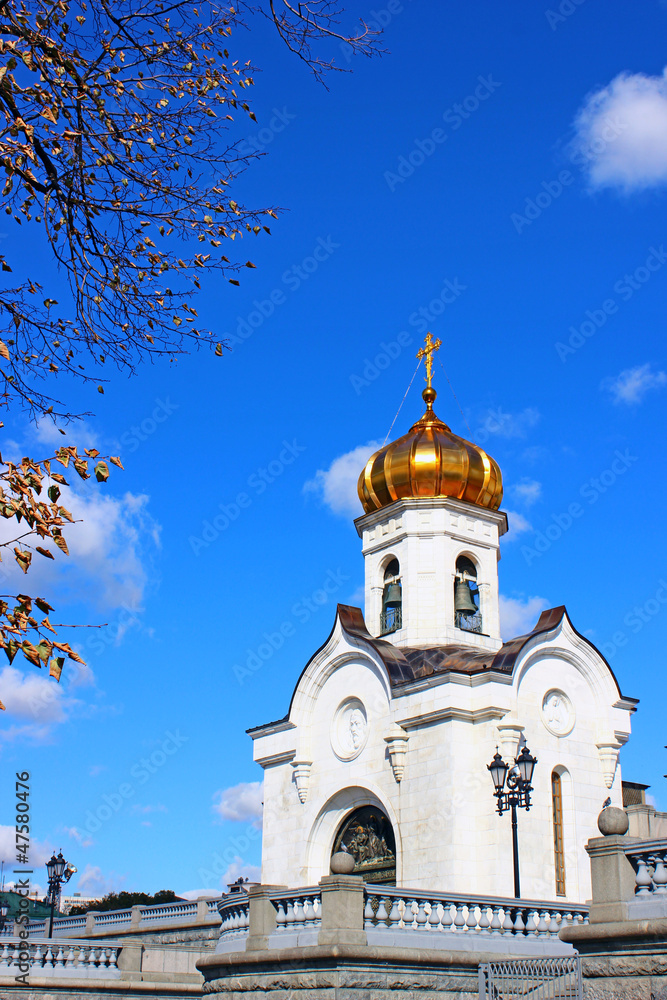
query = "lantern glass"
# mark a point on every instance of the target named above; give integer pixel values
(526, 764)
(59, 864)
(498, 769)
(51, 865)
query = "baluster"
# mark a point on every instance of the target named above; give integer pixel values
(369, 914)
(459, 922)
(70, 957)
(280, 916)
(246, 917)
(422, 916)
(484, 922)
(660, 873)
(433, 917)
(298, 912)
(643, 877)
(80, 957)
(543, 924)
(393, 912)
(508, 923)
(555, 923)
(495, 927)
(60, 957)
(307, 911)
(519, 926)
(113, 958)
(48, 959)
(471, 922)
(38, 957)
(447, 919)
(409, 913)
(289, 914)
(92, 957)
(531, 922)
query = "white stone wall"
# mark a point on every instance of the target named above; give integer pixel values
(448, 834)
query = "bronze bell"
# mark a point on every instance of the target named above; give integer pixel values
(463, 598)
(392, 596)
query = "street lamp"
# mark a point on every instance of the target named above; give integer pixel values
(519, 787)
(59, 872)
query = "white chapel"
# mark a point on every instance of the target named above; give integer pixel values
(383, 753)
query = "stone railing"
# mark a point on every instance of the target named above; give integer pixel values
(649, 860)
(391, 909)
(345, 910)
(136, 918)
(51, 959)
(296, 910)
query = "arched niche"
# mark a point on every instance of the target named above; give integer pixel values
(367, 834)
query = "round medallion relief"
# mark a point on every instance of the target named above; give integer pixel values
(349, 729)
(558, 713)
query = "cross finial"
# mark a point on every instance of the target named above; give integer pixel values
(427, 353)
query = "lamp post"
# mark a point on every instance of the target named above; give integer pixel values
(519, 787)
(59, 872)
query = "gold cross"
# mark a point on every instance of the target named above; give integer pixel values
(427, 353)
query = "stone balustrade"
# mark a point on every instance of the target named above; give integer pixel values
(390, 910)
(296, 910)
(53, 959)
(394, 917)
(136, 918)
(649, 860)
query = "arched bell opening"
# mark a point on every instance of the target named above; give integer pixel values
(367, 834)
(391, 618)
(467, 615)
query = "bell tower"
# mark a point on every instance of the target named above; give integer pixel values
(431, 535)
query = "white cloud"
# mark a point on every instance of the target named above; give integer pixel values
(239, 869)
(507, 425)
(38, 852)
(357, 597)
(527, 491)
(242, 803)
(621, 133)
(199, 893)
(82, 839)
(633, 383)
(336, 486)
(517, 525)
(138, 809)
(518, 616)
(78, 431)
(37, 702)
(110, 547)
(92, 882)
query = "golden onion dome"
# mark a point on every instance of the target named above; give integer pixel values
(430, 461)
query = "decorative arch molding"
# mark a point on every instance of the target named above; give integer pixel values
(593, 669)
(326, 824)
(312, 682)
(469, 554)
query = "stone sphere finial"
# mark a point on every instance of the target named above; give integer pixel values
(613, 821)
(342, 863)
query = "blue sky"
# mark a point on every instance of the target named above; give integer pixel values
(502, 170)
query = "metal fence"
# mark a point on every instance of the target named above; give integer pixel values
(542, 979)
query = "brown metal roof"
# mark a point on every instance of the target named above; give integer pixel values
(412, 663)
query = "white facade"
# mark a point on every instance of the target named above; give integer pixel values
(372, 723)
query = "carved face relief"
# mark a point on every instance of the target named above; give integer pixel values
(558, 713)
(349, 730)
